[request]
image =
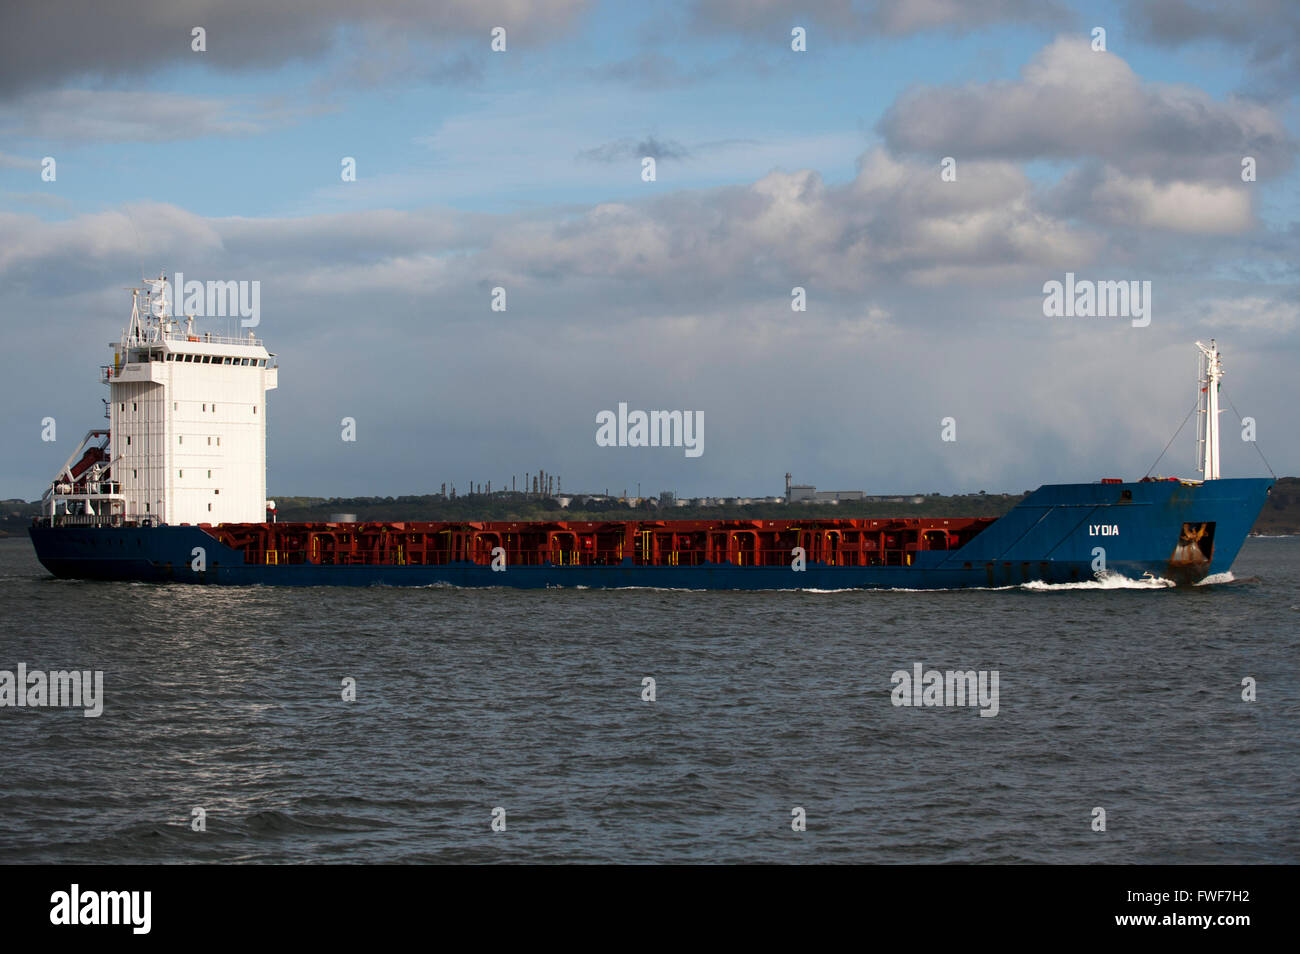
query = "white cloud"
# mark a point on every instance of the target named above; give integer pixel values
(85, 115)
(1073, 103)
(1193, 207)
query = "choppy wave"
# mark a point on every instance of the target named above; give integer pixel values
(1214, 578)
(1111, 581)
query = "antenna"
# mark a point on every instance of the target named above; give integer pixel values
(159, 307)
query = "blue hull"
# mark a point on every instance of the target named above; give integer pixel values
(1052, 536)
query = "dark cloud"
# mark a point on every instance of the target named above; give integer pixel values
(635, 149)
(46, 43)
(1268, 29)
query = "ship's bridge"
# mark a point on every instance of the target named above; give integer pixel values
(187, 435)
(134, 362)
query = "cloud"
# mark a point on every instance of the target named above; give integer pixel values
(1105, 195)
(853, 18)
(86, 249)
(896, 220)
(1269, 29)
(1255, 314)
(633, 149)
(677, 301)
(83, 115)
(1072, 103)
(55, 42)
(18, 162)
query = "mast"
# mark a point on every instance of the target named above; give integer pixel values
(1209, 373)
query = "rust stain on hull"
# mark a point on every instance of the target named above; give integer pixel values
(1190, 562)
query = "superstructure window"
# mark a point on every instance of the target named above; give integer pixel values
(128, 441)
(180, 473)
(180, 439)
(205, 407)
(254, 408)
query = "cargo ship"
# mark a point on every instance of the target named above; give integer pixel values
(174, 490)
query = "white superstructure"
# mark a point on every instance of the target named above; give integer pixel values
(187, 441)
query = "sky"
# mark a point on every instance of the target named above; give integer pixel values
(920, 169)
